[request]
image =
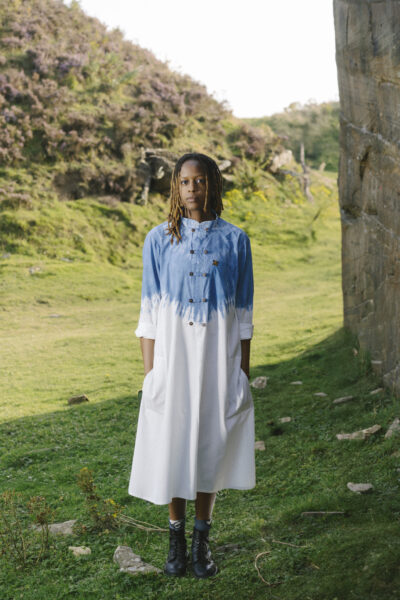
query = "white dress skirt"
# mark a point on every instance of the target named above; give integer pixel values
(195, 430)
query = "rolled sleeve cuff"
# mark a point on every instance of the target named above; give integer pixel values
(146, 330)
(246, 331)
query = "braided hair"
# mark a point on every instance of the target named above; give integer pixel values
(213, 191)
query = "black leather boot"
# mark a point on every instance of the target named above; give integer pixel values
(202, 563)
(178, 556)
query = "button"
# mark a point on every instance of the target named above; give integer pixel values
(191, 273)
(215, 262)
(204, 274)
(192, 252)
(190, 299)
(206, 228)
(204, 299)
(205, 251)
(193, 229)
(204, 324)
(190, 322)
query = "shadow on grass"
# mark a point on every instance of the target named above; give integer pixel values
(303, 468)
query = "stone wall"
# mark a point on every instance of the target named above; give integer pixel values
(368, 62)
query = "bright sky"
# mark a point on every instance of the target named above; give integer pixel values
(258, 55)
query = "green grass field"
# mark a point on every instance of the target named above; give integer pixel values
(68, 329)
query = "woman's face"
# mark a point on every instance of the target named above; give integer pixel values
(192, 186)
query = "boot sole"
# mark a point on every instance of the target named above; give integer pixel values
(205, 576)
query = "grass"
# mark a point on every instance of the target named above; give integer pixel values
(90, 348)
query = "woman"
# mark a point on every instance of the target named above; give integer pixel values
(195, 431)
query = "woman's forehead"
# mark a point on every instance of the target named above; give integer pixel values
(192, 168)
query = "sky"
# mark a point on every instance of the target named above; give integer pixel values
(257, 55)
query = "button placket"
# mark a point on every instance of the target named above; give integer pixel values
(198, 271)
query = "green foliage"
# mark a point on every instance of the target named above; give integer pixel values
(103, 512)
(20, 543)
(316, 125)
(84, 103)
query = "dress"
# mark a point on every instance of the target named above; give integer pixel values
(195, 427)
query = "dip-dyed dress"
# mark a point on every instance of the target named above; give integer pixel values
(195, 428)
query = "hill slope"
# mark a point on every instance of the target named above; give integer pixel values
(316, 125)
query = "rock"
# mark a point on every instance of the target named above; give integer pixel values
(225, 164)
(64, 528)
(369, 179)
(320, 394)
(362, 434)
(342, 399)
(377, 391)
(6, 255)
(377, 366)
(259, 445)
(228, 548)
(259, 382)
(285, 419)
(296, 383)
(360, 488)
(33, 270)
(79, 550)
(131, 563)
(394, 428)
(279, 160)
(66, 259)
(54, 316)
(78, 399)
(321, 513)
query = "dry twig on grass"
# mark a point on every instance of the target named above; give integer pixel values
(140, 524)
(258, 570)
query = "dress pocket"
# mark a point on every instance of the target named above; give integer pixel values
(153, 388)
(239, 394)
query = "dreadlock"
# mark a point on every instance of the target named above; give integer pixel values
(213, 191)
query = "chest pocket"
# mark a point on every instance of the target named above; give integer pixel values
(222, 270)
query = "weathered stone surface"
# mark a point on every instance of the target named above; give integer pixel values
(65, 528)
(79, 550)
(131, 563)
(78, 399)
(259, 445)
(321, 513)
(296, 382)
(393, 429)
(259, 382)
(376, 391)
(281, 159)
(320, 394)
(342, 399)
(362, 434)
(285, 419)
(368, 62)
(360, 488)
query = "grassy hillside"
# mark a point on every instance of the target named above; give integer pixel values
(79, 108)
(83, 102)
(67, 328)
(316, 125)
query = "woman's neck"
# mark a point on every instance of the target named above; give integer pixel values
(199, 215)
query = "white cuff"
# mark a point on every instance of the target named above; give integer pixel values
(146, 330)
(246, 331)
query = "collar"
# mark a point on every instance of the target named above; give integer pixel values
(193, 224)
